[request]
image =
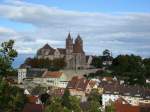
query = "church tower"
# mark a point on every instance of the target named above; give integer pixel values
(78, 47)
(69, 44)
(69, 51)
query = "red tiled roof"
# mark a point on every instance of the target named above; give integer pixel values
(78, 83)
(52, 74)
(122, 106)
(33, 108)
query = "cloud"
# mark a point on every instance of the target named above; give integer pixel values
(119, 32)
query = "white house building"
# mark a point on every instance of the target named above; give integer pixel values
(55, 79)
(21, 75)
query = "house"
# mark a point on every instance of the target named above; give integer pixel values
(79, 86)
(24, 73)
(43, 77)
(134, 95)
(122, 105)
(56, 79)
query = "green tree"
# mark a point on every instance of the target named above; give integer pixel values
(97, 62)
(129, 67)
(12, 99)
(55, 106)
(110, 108)
(146, 63)
(71, 102)
(94, 100)
(106, 53)
(94, 106)
(95, 96)
(74, 104)
(65, 98)
(52, 65)
(44, 98)
(7, 55)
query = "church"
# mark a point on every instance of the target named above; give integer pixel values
(73, 54)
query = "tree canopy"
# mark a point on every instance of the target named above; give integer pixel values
(12, 99)
(53, 65)
(130, 67)
(7, 55)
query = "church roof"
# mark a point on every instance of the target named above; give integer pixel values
(46, 46)
(62, 50)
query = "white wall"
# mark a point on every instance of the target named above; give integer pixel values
(21, 75)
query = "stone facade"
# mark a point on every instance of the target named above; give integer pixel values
(73, 54)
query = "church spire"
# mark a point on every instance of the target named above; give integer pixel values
(69, 36)
(78, 37)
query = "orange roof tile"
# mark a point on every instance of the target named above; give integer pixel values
(53, 74)
(122, 106)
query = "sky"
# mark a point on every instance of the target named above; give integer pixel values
(123, 26)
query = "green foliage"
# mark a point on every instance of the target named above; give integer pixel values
(71, 102)
(95, 100)
(56, 105)
(107, 55)
(7, 55)
(95, 96)
(74, 104)
(146, 63)
(44, 98)
(12, 98)
(129, 67)
(110, 108)
(127, 63)
(52, 65)
(97, 62)
(65, 98)
(94, 106)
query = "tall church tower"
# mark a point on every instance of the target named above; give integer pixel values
(78, 47)
(69, 51)
(69, 44)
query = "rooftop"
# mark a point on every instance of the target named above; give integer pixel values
(55, 74)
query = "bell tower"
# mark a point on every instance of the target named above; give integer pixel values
(78, 45)
(69, 44)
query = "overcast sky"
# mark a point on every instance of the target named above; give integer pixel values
(119, 25)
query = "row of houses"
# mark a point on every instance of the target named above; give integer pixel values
(43, 76)
(110, 88)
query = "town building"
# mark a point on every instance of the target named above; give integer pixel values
(121, 105)
(42, 77)
(80, 86)
(55, 79)
(24, 73)
(134, 95)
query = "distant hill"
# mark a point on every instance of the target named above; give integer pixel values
(20, 59)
